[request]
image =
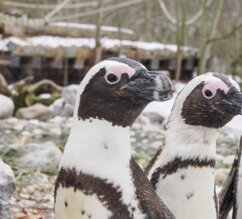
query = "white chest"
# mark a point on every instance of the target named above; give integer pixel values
(189, 193)
(101, 150)
(76, 205)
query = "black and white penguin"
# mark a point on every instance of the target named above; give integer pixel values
(98, 177)
(231, 193)
(182, 171)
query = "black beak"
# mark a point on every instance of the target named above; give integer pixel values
(150, 86)
(232, 103)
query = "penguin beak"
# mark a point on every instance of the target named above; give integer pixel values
(150, 86)
(232, 103)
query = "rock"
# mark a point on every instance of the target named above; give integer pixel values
(228, 160)
(65, 105)
(7, 107)
(219, 157)
(221, 175)
(37, 111)
(142, 120)
(7, 187)
(44, 156)
(69, 93)
(155, 118)
(62, 108)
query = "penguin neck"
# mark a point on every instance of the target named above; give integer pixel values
(97, 147)
(189, 142)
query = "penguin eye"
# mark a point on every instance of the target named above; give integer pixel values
(208, 94)
(112, 78)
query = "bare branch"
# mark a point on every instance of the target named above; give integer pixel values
(166, 12)
(48, 6)
(199, 13)
(56, 10)
(188, 22)
(101, 10)
(227, 35)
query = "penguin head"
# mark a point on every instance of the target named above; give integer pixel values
(210, 100)
(117, 90)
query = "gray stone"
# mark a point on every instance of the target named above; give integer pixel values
(69, 93)
(221, 175)
(37, 111)
(154, 118)
(44, 156)
(228, 160)
(65, 105)
(7, 187)
(7, 107)
(62, 108)
(219, 157)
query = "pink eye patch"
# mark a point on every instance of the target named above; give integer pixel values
(121, 69)
(215, 85)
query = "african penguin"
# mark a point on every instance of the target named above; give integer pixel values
(231, 193)
(98, 177)
(182, 171)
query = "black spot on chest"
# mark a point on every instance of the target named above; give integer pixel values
(190, 195)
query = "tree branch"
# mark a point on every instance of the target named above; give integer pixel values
(166, 12)
(48, 6)
(227, 35)
(199, 14)
(101, 10)
(56, 9)
(188, 22)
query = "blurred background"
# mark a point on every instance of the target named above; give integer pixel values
(47, 47)
(49, 38)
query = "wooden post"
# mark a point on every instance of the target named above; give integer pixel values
(65, 76)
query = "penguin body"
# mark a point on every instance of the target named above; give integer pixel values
(182, 172)
(98, 178)
(178, 182)
(231, 193)
(238, 188)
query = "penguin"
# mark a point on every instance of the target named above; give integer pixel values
(98, 178)
(231, 193)
(182, 170)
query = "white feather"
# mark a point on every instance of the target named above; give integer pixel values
(100, 149)
(76, 203)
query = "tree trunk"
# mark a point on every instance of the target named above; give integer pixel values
(147, 24)
(180, 31)
(206, 45)
(119, 25)
(98, 49)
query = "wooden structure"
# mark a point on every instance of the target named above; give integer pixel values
(65, 60)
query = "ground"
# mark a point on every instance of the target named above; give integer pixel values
(33, 198)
